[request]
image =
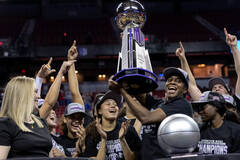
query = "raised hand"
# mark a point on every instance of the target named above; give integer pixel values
(113, 85)
(180, 52)
(72, 52)
(124, 128)
(231, 40)
(65, 66)
(46, 70)
(102, 133)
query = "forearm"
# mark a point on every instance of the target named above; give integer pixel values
(194, 91)
(73, 86)
(142, 113)
(128, 154)
(236, 57)
(38, 82)
(185, 66)
(4, 150)
(139, 111)
(51, 97)
(102, 150)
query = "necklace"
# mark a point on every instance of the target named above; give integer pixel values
(30, 124)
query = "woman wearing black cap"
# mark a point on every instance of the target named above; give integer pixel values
(107, 138)
(218, 136)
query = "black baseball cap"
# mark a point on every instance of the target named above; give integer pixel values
(230, 100)
(170, 71)
(218, 80)
(108, 95)
(210, 97)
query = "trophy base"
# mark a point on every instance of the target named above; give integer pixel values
(136, 80)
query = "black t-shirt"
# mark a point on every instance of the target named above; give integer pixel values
(113, 145)
(68, 144)
(124, 119)
(223, 140)
(56, 145)
(25, 144)
(150, 147)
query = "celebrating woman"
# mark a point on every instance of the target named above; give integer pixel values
(22, 134)
(108, 139)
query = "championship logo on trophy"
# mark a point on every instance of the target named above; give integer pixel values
(134, 70)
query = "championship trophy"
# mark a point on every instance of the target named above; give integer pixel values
(134, 70)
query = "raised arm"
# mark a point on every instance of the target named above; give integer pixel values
(44, 71)
(52, 95)
(72, 77)
(193, 90)
(143, 114)
(231, 41)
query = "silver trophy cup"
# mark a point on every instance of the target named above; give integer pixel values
(134, 70)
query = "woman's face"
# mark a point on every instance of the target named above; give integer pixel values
(208, 112)
(52, 119)
(174, 87)
(74, 121)
(109, 109)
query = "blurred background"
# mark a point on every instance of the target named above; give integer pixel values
(32, 31)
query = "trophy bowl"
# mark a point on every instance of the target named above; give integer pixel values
(136, 80)
(130, 12)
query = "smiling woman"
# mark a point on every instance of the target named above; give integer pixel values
(107, 138)
(18, 125)
(71, 124)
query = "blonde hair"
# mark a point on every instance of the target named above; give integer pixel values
(18, 101)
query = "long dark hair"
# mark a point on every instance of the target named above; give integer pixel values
(91, 130)
(63, 126)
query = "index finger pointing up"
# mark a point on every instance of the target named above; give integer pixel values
(50, 61)
(181, 46)
(225, 31)
(74, 43)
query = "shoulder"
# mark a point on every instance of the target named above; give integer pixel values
(178, 105)
(7, 125)
(232, 125)
(182, 103)
(7, 122)
(152, 102)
